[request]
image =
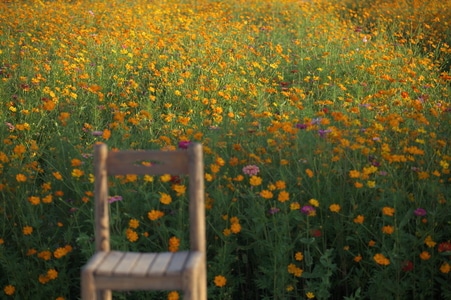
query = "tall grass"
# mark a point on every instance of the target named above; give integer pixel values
(325, 126)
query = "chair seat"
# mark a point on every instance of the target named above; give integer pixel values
(118, 270)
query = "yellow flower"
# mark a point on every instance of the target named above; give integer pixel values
(180, 189)
(148, 178)
(295, 206)
(165, 198)
(298, 256)
(314, 202)
(255, 181)
(445, 268)
(165, 178)
(9, 290)
(429, 242)
(425, 255)
(226, 232)
(77, 173)
(310, 295)
(334, 208)
(371, 183)
(309, 173)
(358, 258)
(388, 211)
(359, 219)
(220, 281)
(381, 259)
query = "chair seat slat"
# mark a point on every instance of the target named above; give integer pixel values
(160, 264)
(177, 263)
(126, 264)
(109, 263)
(143, 263)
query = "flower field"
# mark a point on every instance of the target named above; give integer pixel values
(326, 128)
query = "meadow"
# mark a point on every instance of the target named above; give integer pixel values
(326, 128)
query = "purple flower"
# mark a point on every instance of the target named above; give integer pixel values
(419, 212)
(251, 170)
(184, 144)
(273, 210)
(113, 199)
(308, 210)
(301, 126)
(324, 132)
(97, 133)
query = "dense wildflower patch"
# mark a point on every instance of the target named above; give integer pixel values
(325, 125)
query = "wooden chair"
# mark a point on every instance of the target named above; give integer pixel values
(110, 270)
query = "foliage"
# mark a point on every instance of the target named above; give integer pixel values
(325, 126)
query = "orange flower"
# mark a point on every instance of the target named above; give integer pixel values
(445, 268)
(174, 244)
(335, 208)
(283, 196)
(9, 290)
(155, 215)
(21, 178)
(381, 259)
(388, 229)
(388, 211)
(359, 219)
(266, 194)
(220, 281)
(27, 230)
(425, 255)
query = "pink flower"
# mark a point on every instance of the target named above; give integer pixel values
(251, 170)
(113, 199)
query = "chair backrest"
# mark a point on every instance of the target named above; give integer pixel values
(151, 162)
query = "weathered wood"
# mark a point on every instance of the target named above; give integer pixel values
(113, 270)
(127, 264)
(158, 267)
(108, 264)
(177, 263)
(145, 260)
(129, 162)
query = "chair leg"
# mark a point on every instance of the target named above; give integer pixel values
(202, 284)
(104, 295)
(87, 286)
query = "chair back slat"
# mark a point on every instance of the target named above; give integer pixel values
(147, 162)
